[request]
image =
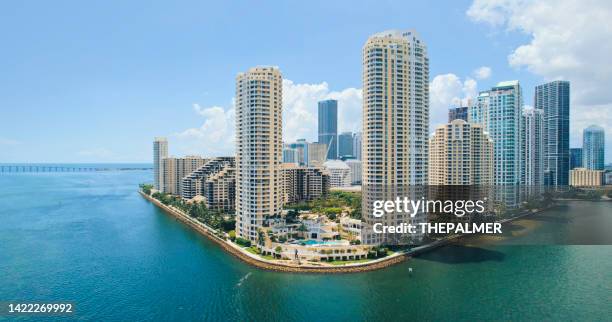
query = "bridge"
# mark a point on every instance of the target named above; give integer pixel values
(59, 168)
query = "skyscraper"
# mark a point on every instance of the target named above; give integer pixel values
(258, 148)
(499, 112)
(532, 147)
(575, 158)
(395, 126)
(357, 146)
(553, 98)
(395, 109)
(316, 154)
(593, 147)
(460, 113)
(345, 144)
(460, 153)
(328, 127)
(160, 151)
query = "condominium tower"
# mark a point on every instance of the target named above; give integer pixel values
(395, 109)
(499, 112)
(553, 98)
(460, 153)
(160, 151)
(258, 148)
(593, 147)
(175, 169)
(532, 147)
(395, 125)
(328, 127)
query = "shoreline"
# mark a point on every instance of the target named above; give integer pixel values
(287, 267)
(255, 260)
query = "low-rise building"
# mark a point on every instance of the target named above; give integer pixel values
(340, 173)
(582, 177)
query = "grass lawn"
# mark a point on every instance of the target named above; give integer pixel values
(340, 263)
(252, 250)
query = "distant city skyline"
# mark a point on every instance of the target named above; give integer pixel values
(101, 91)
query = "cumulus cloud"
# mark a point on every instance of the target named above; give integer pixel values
(569, 40)
(448, 90)
(483, 72)
(216, 135)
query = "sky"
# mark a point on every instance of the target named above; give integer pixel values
(97, 81)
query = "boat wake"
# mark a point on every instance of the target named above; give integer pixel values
(244, 278)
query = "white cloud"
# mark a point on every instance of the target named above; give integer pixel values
(216, 136)
(448, 90)
(483, 72)
(569, 40)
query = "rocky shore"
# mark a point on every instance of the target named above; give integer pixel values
(262, 263)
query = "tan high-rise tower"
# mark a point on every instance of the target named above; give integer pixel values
(460, 153)
(258, 148)
(395, 109)
(395, 122)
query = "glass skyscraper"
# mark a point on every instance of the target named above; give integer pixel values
(345, 144)
(593, 146)
(553, 98)
(328, 127)
(458, 113)
(575, 158)
(499, 112)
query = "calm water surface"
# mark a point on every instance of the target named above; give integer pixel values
(91, 239)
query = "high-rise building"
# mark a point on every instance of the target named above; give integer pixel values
(301, 151)
(258, 148)
(395, 109)
(554, 99)
(499, 112)
(345, 145)
(339, 173)
(290, 155)
(460, 153)
(175, 169)
(215, 182)
(317, 154)
(395, 126)
(357, 146)
(458, 113)
(575, 158)
(532, 147)
(160, 151)
(328, 127)
(593, 147)
(355, 166)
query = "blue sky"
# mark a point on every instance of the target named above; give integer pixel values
(96, 81)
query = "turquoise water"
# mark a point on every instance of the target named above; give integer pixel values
(91, 239)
